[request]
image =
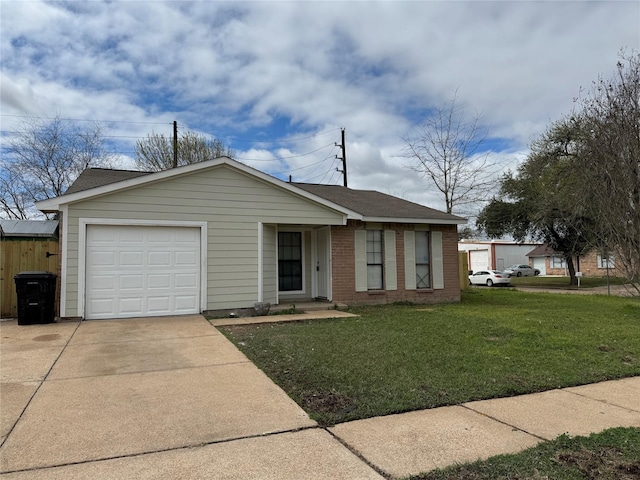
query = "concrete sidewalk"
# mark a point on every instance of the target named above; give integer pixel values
(414, 442)
(173, 398)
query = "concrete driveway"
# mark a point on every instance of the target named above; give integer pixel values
(151, 398)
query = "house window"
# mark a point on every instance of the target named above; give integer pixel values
(606, 262)
(558, 262)
(374, 260)
(423, 257)
(289, 261)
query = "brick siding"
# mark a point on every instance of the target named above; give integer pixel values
(343, 268)
(588, 266)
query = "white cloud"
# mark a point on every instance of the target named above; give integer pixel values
(269, 71)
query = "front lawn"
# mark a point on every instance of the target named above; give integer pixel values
(495, 343)
(565, 282)
(611, 455)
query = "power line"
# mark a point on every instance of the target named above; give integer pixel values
(83, 119)
(283, 141)
(285, 158)
(306, 166)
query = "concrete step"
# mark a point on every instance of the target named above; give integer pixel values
(307, 306)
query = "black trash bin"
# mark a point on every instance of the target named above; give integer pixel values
(36, 297)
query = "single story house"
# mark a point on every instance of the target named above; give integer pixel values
(549, 262)
(218, 236)
(494, 254)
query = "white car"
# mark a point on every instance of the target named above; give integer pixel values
(489, 278)
(518, 270)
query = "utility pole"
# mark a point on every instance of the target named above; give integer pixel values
(343, 147)
(175, 144)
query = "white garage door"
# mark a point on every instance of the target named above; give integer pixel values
(479, 260)
(134, 271)
(541, 264)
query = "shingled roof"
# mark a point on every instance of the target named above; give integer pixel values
(370, 203)
(98, 177)
(367, 203)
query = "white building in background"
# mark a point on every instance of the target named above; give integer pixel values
(495, 254)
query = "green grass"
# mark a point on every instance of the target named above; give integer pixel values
(564, 282)
(495, 343)
(611, 455)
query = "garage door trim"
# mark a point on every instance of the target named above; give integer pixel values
(82, 250)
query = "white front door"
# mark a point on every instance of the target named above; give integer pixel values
(135, 271)
(322, 267)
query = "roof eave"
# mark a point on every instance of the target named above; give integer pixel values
(431, 221)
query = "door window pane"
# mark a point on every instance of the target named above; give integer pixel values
(289, 261)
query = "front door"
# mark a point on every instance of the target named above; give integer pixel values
(322, 267)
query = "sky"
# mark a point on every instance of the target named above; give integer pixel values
(277, 80)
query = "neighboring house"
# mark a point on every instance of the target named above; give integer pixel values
(25, 245)
(218, 236)
(592, 263)
(494, 254)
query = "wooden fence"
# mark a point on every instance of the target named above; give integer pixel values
(23, 255)
(463, 266)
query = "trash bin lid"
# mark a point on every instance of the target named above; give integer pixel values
(34, 275)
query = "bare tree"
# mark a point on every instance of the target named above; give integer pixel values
(155, 153)
(610, 172)
(447, 150)
(43, 158)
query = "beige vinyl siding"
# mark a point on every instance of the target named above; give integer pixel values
(269, 264)
(230, 201)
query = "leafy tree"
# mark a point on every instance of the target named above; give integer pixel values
(155, 153)
(42, 159)
(447, 150)
(544, 199)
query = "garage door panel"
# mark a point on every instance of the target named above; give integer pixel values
(162, 259)
(131, 235)
(130, 282)
(188, 259)
(186, 303)
(159, 305)
(186, 280)
(131, 259)
(130, 306)
(101, 258)
(159, 280)
(102, 306)
(191, 236)
(139, 270)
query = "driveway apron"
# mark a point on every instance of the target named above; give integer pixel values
(127, 387)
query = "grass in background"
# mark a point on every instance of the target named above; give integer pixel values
(564, 282)
(397, 358)
(611, 455)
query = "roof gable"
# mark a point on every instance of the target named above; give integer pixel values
(365, 205)
(96, 182)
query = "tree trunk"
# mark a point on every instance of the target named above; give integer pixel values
(572, 270)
